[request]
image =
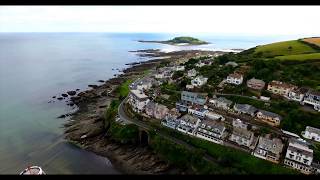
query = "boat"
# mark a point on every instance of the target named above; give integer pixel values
(33, 170)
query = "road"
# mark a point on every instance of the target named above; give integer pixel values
(144, 125)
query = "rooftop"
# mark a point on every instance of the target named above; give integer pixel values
(313, 130)
(281, 84)
(214, 125)
(274, 145)
(256, 81)
(235, 75)
(242, 133)
(138, 94)
(245, 108)
(189, 118)
(270, 114)
(300, 146)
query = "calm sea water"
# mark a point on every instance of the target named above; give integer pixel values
(36, 66)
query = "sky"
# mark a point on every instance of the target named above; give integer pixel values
(248, 20)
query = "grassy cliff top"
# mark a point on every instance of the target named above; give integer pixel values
(186, 39)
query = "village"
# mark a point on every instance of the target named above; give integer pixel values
(211, 116)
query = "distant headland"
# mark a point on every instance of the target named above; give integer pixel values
(183, 40)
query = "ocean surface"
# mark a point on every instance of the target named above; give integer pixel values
(36, 66)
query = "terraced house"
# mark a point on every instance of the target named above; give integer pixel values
(245, 109)
(211, 130)
(269, 117)
(241, 135)
(188, 124)
(280, 88)
(269, 149)
(311, 133)
(297, 94)
(221, 102)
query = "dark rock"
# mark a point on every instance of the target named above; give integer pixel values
(60, 98)
(71, 104)
(77, 89)
(62, 116)
(71, 93)
(101, 81)
(64, 95)
(53, 96)
(92, 86)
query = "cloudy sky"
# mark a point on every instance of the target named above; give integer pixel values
(249, 20)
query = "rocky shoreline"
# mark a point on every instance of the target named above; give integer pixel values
(85, 127)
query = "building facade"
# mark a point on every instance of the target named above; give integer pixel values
(269, 117)
(138, 100)
(280, 88)
(199, 81)
(211, 131)
(235, 78)
(299, 156)
(311, 133)
(269, 149)
(256, 84)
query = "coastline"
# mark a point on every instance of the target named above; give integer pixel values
(86, 129)
(173, 44)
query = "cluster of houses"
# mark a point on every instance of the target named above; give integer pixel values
(193, 115)
(262, 115)
(301, 94)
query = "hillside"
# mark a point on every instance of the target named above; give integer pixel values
(314, 40)
(285, 48)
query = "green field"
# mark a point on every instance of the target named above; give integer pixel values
(284, 48)
(300, 57)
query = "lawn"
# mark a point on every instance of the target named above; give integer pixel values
(123, 90)
(285, 48)
(300, 57)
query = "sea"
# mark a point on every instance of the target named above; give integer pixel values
(36, 66)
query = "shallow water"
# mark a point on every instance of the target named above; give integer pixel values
(36, 66)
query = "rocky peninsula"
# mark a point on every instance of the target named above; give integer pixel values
(86, 128)
(179, 41)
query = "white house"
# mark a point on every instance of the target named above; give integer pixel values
(211, 131)
(199, 112)
(221, 102)
(138, 100)
(143, 84)
(297, 94)
(299, 156)
(235, 78)
(311, 133)
(188, 124)
(199, 81)
(312, 97)
(179, 68)
(204, 63)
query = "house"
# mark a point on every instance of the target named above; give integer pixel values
(237, 123)
(192, 73)
(199, 112)
(242, 137)
(299, 156)
(179, 68)
(269, 117)
(156, 110)
(280, 88)
(235, 78)
(269, 149)
(211, 130)
(311, 133)
(174, 113)
(170, 121)
(312, 97)
(163, 73)
(231, 63)
(297, 94)
(221, 102)
(205, 62)
(199, 81)
(138, 100)
(213, 116)
(189, 86)
(182, 106)
(245, 109)
(143, 84)
(256, 84)
(193, 98)
(188, 124)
